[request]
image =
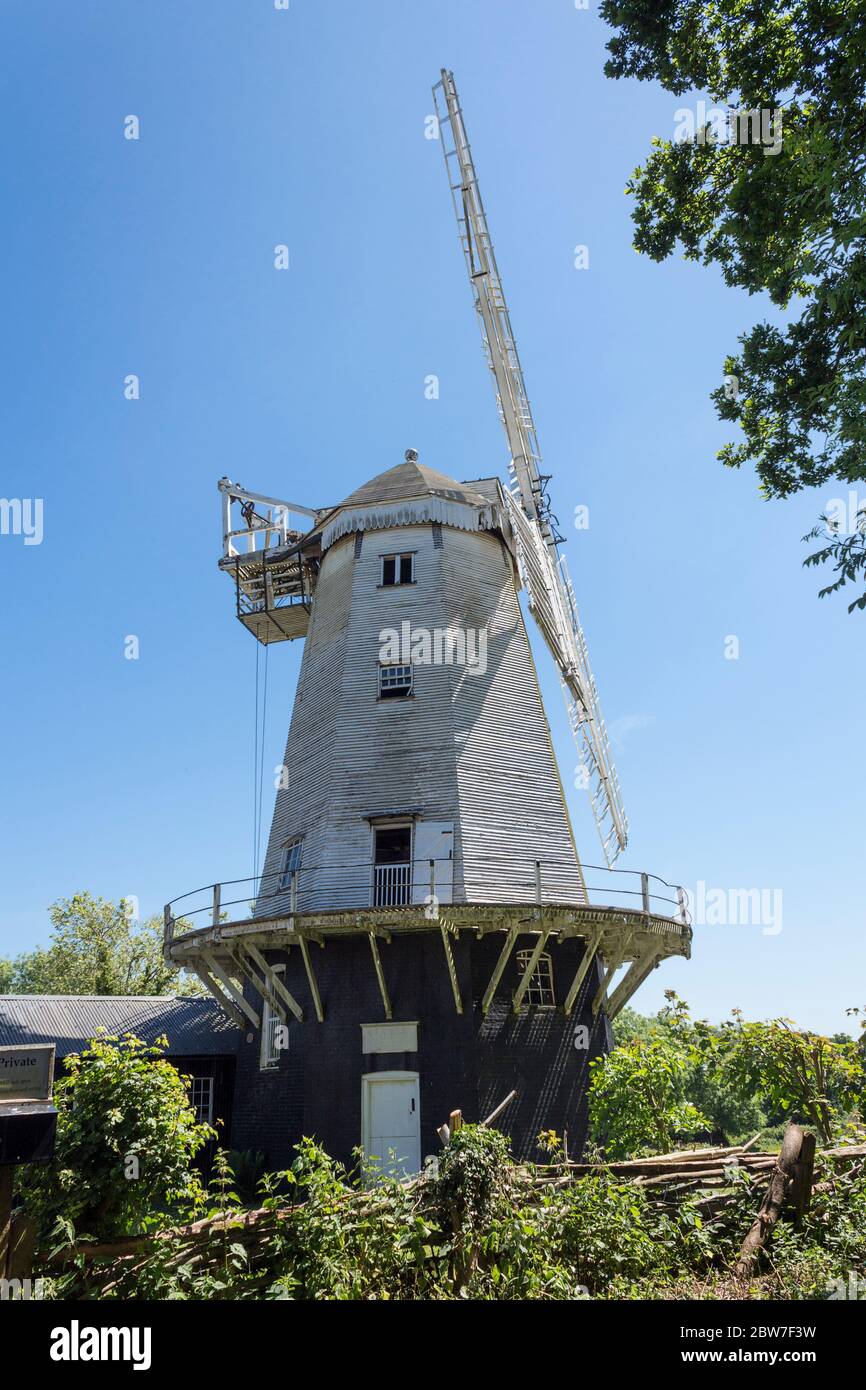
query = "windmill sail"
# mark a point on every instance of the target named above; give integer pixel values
(542, 571)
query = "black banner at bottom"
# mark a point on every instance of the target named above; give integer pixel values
(60, 1340)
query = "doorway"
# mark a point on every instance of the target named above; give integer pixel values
(392, 865)
(391, 1121)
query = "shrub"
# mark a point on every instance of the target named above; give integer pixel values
(126, 1138)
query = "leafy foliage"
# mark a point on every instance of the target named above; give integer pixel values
(637, 1098)
(96, 948)
(804, 1074)
(745, 1077)
(475, 1224)
(126, 1138)
(789, 223)
(595, 1237)
(848, 553)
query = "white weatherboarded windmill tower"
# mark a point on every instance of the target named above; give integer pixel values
(422, 937)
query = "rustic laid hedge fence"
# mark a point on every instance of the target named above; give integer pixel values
(477, 1220)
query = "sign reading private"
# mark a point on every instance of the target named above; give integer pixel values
(26, 1073)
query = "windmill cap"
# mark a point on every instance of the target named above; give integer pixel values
(409, 480)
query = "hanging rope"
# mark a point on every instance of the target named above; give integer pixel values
(256, 775)
(262, 760)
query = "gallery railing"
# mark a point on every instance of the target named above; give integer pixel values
(392, 885)
(362, 885)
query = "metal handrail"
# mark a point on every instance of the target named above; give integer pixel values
(366, 884)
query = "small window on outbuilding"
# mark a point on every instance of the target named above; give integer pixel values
(201, 1098)
(395, 682)
(540, 987)
(398, 569)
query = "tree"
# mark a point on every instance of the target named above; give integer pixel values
(847, 551)
(96, 948)
(629, 1025)
(637, 1098)
(778, 206)
(6, 974)
(126, 1138)
(800, 1072)
(731, 1111)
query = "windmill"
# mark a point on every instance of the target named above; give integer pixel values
(421, 934)
(543, 570)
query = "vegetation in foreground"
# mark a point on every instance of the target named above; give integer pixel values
(475, 1224)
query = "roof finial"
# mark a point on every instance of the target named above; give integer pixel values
(411, 455)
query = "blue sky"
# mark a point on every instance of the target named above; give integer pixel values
(155, 257)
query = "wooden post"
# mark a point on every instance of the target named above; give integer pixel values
(7, 1176)
(22, 1247)
(645, 892)
(455, 1121)
(216, 904)
(768, 1215)
(494, 1114)
(801, 1188)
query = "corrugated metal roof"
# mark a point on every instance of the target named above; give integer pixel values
(195, 1027)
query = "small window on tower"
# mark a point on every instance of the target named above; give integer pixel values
(540, 987)
(398, 569)
(291, 862)
(395, 682)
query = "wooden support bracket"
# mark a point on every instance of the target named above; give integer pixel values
(311, 978)
(500, 967)
(277, 986)
(380, 976)
(210, 984)
(582, 971)
(259, 984)
(452, 969)
(615, 962)
(214, 968)
(633, 979)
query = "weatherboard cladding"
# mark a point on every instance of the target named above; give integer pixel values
(467, 747)
(195, 1027)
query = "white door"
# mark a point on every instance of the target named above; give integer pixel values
(433, 839)
(392, 1121)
